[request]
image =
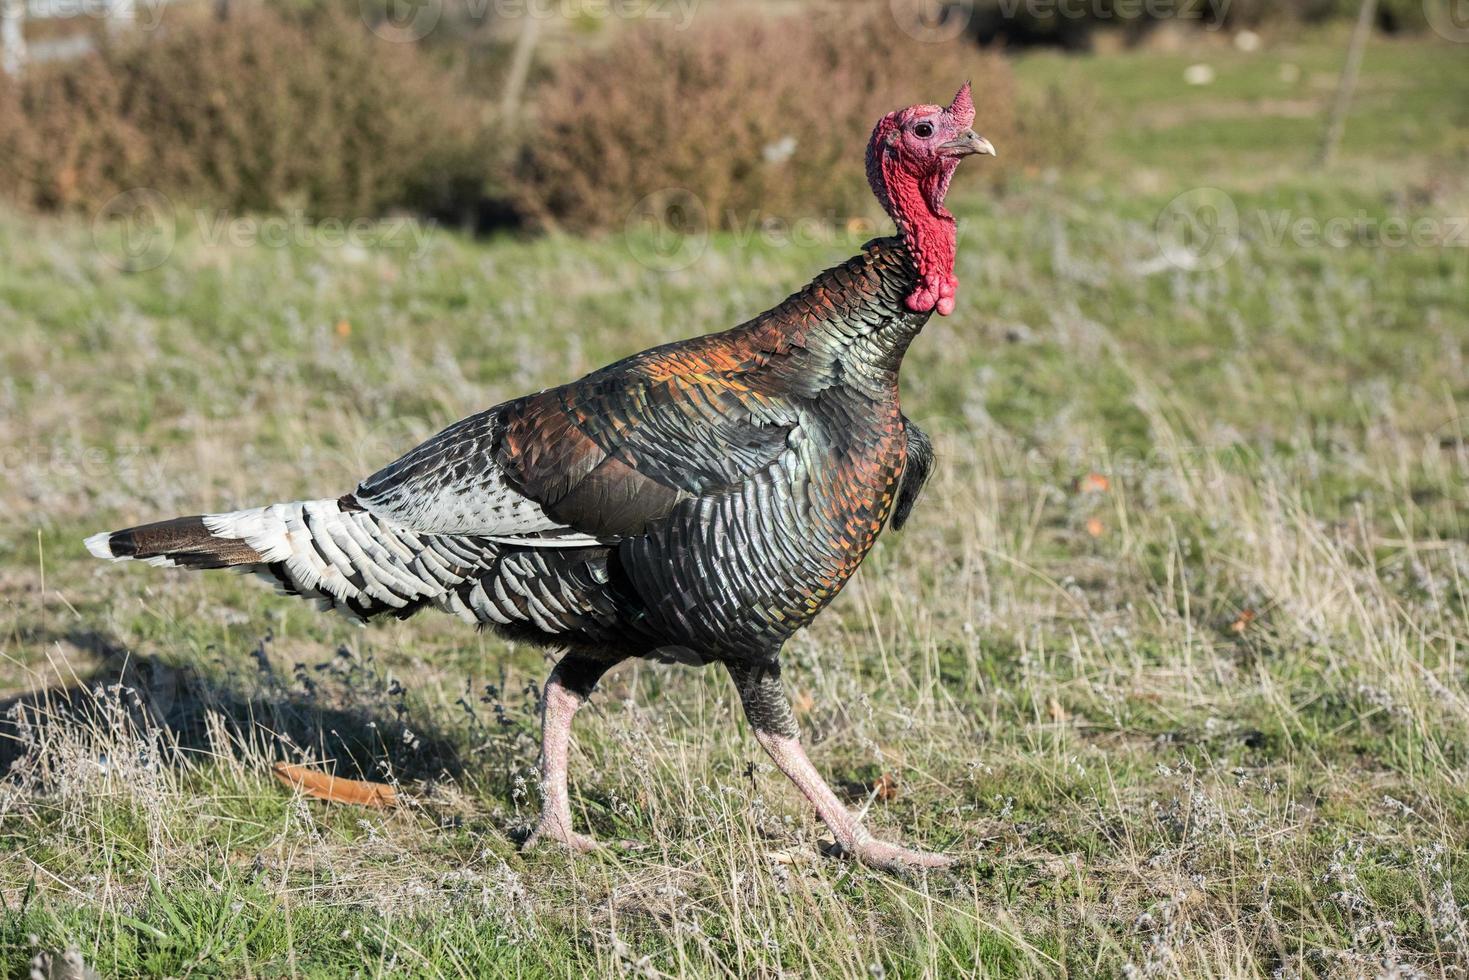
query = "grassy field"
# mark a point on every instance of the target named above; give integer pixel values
(1173, 652)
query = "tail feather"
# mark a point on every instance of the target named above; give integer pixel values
(183, 541)
(345, 558)
(330, 551)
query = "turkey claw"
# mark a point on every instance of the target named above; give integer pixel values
(547, 832)
(892, 857)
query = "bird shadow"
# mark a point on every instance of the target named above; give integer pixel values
(343, 714)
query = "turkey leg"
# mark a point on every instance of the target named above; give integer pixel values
(568, 687)
(769, 711)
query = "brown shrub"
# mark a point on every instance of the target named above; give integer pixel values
(757, 118)
(255, 114)
(63, 140)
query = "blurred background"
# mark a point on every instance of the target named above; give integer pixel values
(1172, 651)
(541, 114)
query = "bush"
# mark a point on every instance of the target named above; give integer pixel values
(258, 113)
(63, 141)
(756, 118)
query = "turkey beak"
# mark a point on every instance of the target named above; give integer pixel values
(968, 142)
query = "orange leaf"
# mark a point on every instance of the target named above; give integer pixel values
(803, 702)
(324, 787)
(1057, 712)
(1094, 527)
(344, 329)
(1246, 617)
(1094, 483)
(886, 787)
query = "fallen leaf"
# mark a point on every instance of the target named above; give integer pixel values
(1094, 483)
(886, 787)
(1246, 617)
(1058, 713)
(1094, 527)
(803, 702)
(344, 329)
(322, 786)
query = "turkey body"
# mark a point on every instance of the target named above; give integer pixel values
(703, 499)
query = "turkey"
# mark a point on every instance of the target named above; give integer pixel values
(702, 500)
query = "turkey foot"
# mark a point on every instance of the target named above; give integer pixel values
(558, 830)
(892, 857)
(851, 837)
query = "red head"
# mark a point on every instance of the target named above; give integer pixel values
(911, 158)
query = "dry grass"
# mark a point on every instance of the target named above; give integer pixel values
(1205, 720)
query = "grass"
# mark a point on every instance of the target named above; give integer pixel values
(1204, 716)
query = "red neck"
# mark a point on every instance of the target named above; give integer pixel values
(931, 236)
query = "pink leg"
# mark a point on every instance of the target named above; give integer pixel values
(558, 708)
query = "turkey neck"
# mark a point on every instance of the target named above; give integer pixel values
(848, 328)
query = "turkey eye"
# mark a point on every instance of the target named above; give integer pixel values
(923, 131)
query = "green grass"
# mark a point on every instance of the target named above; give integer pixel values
(1063, 682)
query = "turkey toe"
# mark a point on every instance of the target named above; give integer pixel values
(555, 833)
